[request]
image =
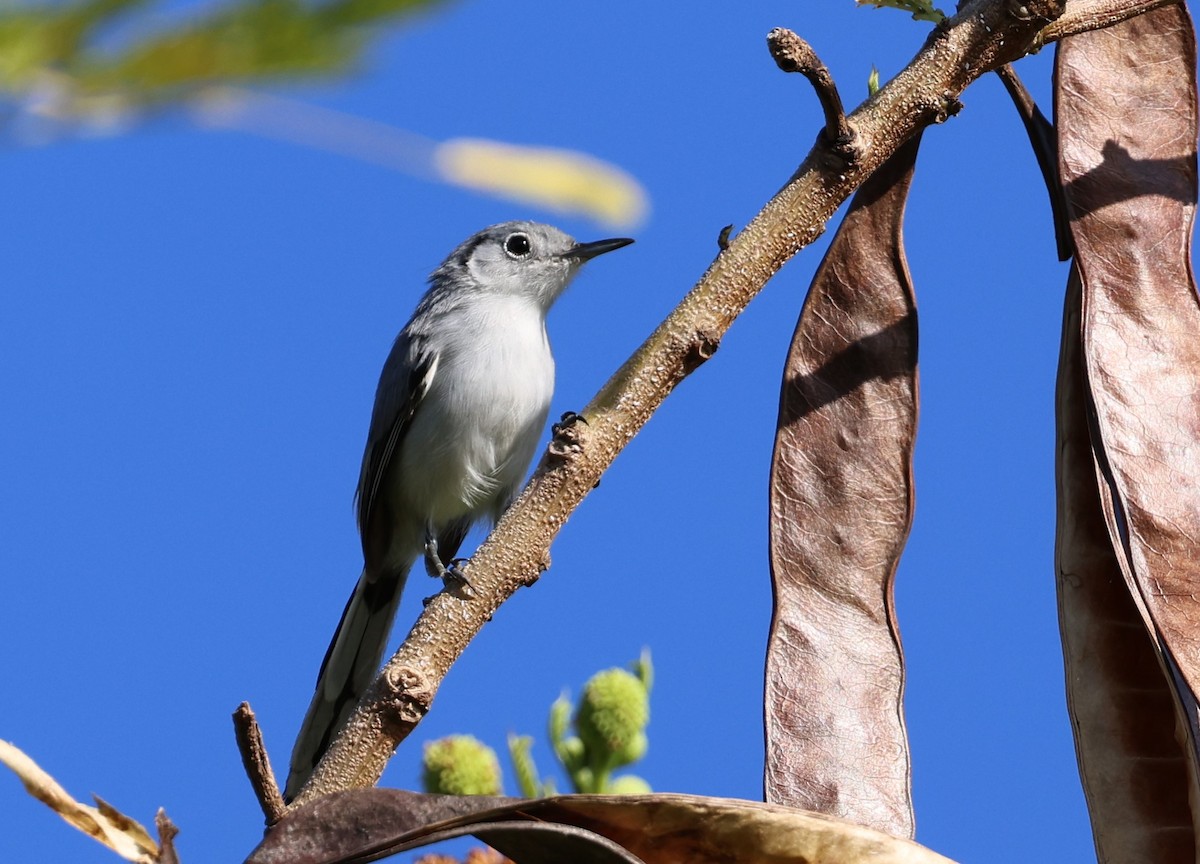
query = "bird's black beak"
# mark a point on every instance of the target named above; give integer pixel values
(588, 251)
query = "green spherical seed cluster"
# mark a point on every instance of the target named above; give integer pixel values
(460, 765)
(613, 714)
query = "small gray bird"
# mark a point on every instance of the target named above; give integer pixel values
(459, 410)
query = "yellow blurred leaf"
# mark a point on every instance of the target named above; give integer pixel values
(561, 180)
(114, 829)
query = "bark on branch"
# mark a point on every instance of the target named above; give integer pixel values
(983, 36)
(793, 54)
(256, 763)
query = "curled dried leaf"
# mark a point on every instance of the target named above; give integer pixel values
(1122, 709)
(1126, 114)
(370, 824)
(841, 508)
(104, 823)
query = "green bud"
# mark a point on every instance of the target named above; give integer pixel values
(460, 765)
(628, 784)
(634, 750)
(571, 753)
(873, 82)
(520, 751)
(560, 720)
(613, 712)
(584, 781)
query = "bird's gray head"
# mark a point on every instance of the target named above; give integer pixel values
(527, 259)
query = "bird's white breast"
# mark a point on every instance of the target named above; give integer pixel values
(492, 388)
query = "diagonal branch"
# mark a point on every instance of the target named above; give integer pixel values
(1084, 15)
(983, 36)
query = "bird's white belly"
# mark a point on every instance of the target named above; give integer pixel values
(477, 429)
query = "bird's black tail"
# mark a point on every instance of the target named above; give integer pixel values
(350, 665)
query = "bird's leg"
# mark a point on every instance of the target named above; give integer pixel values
(452, 576)
(433, 562)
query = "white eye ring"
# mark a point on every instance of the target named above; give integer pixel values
(518, 246)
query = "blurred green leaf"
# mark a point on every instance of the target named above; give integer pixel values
(100, 65)
(248, 41)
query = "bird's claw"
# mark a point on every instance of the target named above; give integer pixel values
(455, 579)
(433, 564)
(566, 421)
(566, 438)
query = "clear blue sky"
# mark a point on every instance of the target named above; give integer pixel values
(191, 332)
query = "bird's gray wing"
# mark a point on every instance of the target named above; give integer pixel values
(358, 644)
(406, 378)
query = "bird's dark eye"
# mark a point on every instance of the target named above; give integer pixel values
(517, 245)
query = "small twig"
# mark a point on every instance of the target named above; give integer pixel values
(1045, 149)
(723, 237)
(793, 54)
(166, 838)
(257, 765)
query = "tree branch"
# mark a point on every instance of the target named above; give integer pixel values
(983, 36)
(1084, 15)
(256, 763)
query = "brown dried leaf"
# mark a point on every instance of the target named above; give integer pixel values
(363, 825)
(115, 830)
(334, 827)
(1122, 709)
(1126, 112)
(671, 828)
(533, 842)
(371, 824)
(841, 508)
